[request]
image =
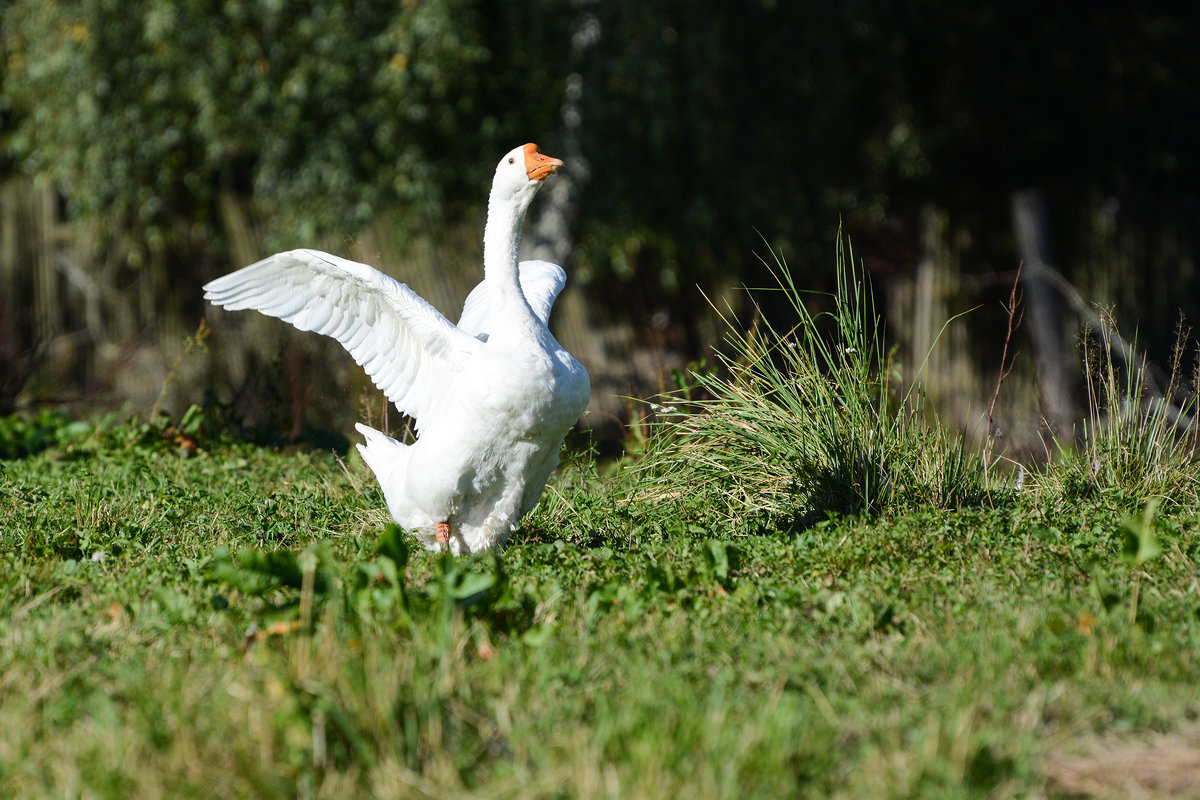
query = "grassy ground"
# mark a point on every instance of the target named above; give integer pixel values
(1022, 647)
(801, 587)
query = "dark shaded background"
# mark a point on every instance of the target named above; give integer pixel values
(146, 147)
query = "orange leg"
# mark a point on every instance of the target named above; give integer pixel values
(442, 531)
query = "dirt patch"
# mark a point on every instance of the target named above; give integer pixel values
(1136, 766)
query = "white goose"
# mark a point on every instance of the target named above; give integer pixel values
(492, 398)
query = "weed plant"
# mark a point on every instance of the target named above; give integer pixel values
(1139, 441)
(807, 418)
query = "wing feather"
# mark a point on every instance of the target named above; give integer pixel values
(405, 345)
(541, 282)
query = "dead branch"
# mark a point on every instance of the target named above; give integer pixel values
(1015, 315)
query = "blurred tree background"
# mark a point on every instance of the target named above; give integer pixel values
(147, 146)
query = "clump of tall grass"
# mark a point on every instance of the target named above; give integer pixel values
(806, 418)
(1140, 439)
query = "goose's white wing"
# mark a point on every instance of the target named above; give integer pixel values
(407, 347)
(541, 282)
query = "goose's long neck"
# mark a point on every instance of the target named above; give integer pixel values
(501, 254)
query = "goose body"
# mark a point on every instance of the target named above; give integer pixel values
(492, 397)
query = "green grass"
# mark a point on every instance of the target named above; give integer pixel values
(807, 417)
(1139, 440)
(610, 651)
(801, 587)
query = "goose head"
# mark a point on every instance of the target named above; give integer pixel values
(520, 174)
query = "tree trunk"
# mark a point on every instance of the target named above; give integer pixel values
(1031, 225)
(551, 236)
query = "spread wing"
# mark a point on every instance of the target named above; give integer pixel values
(407, 347)
(541, 282)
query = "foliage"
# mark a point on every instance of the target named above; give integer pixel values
(336, 111)
(146, 112)
(21, 436)
(324, 117)
(808, 418)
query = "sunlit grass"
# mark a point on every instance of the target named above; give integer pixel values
(226, 624)
(800, 587)
(808, 417)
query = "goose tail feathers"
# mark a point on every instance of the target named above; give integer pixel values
(383, 454)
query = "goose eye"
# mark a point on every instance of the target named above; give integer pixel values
(511, 160)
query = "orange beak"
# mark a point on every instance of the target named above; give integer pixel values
(537, 166)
